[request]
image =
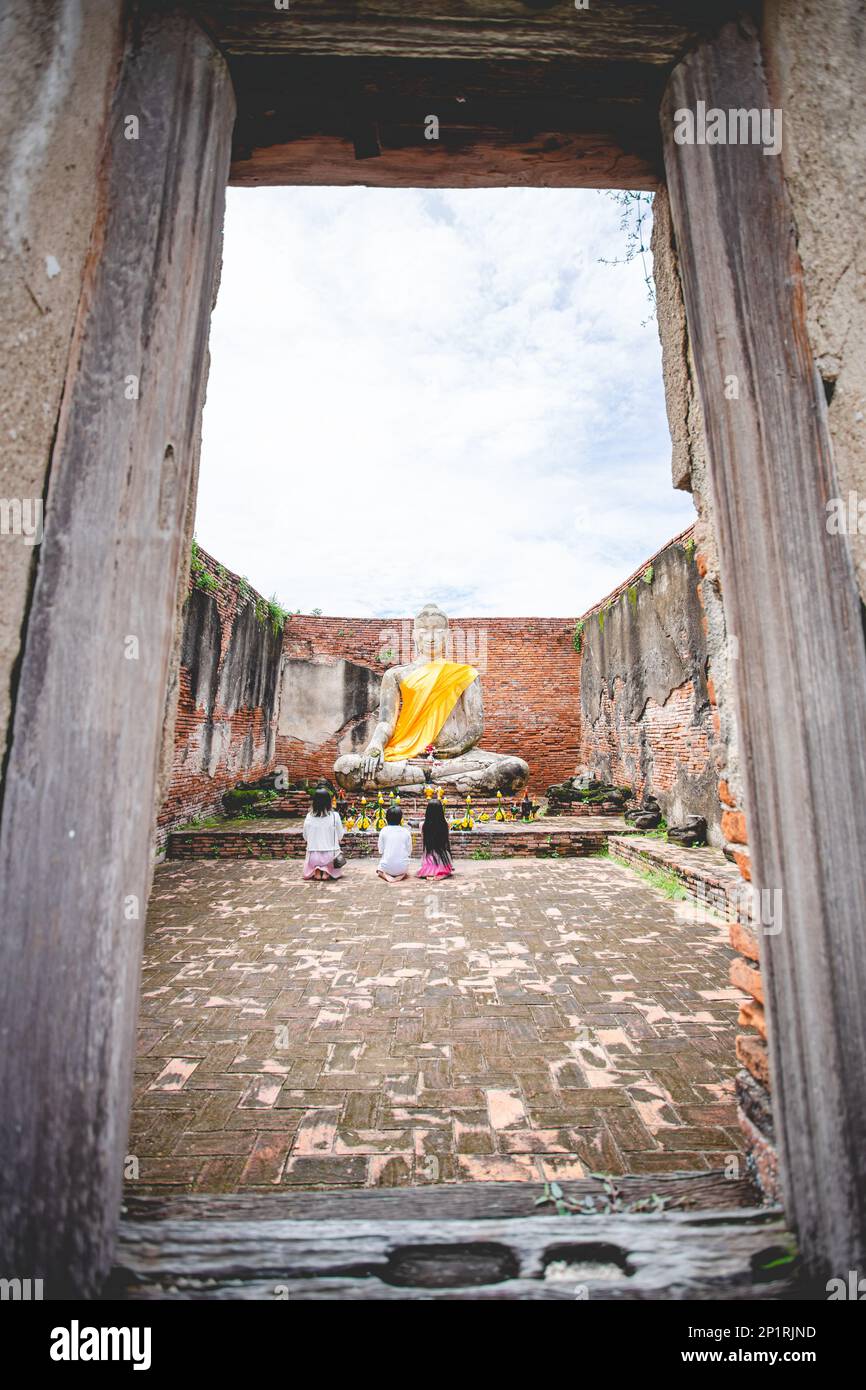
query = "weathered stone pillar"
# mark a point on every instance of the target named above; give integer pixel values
(95, 651)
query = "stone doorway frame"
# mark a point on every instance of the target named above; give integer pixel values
(120, 503)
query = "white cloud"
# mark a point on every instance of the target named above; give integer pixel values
(433, 395)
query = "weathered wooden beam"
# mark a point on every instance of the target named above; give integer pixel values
(461, 159)
(77, 814)
(791, 603)
(480, 1201)
(580, 115)
(260, 80)
(299, 121)
(727, 1255)
(635, 30)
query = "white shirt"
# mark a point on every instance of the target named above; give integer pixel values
(323, 832)
(395, 847)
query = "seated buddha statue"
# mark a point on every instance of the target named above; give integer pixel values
(430, 704)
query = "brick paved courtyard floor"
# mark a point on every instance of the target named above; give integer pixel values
(526, 1020)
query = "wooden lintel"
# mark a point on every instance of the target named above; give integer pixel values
(549, 160)
(618, 30)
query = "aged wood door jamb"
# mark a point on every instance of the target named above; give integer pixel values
(75, 839)
(791, 601)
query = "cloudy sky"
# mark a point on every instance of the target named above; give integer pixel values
(443, 396)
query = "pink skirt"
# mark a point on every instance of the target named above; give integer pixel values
(431, 868)
(321, 859)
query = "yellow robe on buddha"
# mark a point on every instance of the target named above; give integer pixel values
(428, 697)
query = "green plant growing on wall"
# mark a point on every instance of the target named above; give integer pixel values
(648, 575)
(276, 615)
(199, 572)
(270, 612)
(632, 596)
(387, 655)
(601, 620)
(245, 592)
(689, 547)
(243, 803)
(577, 636)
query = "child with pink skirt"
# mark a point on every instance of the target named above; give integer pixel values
(323, 831)
(436, 842)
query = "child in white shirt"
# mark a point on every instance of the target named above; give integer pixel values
(323, 831)
(395, 847)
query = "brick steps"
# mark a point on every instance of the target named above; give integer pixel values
(258, 840)
(704, 873)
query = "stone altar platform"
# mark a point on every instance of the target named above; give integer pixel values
(272, 838)
(295, 804)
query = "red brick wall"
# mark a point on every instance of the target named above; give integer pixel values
(674, 742)
(530, 676)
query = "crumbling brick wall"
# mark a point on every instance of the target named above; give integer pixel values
(228, 683)
(646, 714)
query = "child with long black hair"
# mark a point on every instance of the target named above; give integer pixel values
(436, 842)
(323, 831)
